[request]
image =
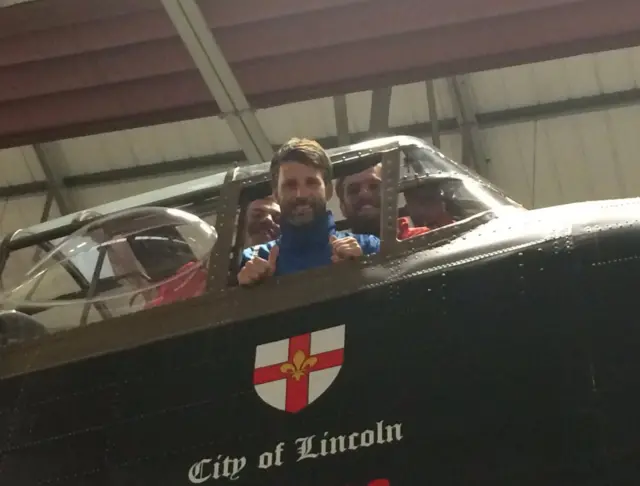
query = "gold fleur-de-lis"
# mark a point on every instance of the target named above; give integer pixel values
(299, 366)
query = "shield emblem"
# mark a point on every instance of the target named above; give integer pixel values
(292, 373)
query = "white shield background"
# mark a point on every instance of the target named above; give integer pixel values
(277, 352)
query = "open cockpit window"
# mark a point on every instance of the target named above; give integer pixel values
(434, 191)
(430, 190)
(399, 179)
(121, 263)
(144, 254)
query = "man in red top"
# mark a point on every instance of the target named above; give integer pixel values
(426, 206)
(360, 197)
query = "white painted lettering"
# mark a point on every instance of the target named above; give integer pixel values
(352, 441)
(310, 447)
(305, 448)
(394, 430)
(233, 466)
(380, 432)
(224, 467)
(265, 461)
(279, 450)
(196, 472)
(366, 438)
(337, 444)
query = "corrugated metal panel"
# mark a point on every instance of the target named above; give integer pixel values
(149, 145)
(409, 103)
(314, 118)
(19, 166)
(450, 145)
(568, 159)
(97, 195)
(557, 80)
(359, 111)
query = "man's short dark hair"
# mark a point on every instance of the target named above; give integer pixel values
(340, 182)
(303, 151)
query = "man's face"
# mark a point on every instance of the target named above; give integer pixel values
(301, 193)
(425, 206)
(360, 201)
(263, 221)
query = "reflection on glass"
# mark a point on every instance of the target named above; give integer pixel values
(436, 191)
(84, 261)
(114, 265)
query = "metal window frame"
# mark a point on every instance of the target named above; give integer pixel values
(224, 305)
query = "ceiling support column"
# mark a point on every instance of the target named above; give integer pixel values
(342, 119)
(380, 109)
(220, 80)
(54, 164)
(473, 151)
(433, 113)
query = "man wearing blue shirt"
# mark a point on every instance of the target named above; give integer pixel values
(301, 178)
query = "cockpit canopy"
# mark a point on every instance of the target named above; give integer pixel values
(121, 261)
(155, 248)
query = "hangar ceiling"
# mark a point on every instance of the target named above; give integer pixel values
(122, 64)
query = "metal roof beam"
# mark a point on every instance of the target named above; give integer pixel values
(192, 27)
(380, 109)
(342, 119)
(464, 106)
(46, 214)
(53, 164)
(433, 113)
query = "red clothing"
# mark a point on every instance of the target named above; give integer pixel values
(406, 231)
(191, 282)
(444, 220)
(187, 283)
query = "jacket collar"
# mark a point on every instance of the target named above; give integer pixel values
(315, 234)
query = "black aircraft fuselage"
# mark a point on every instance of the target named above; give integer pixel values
(501, 350)
(506, 357)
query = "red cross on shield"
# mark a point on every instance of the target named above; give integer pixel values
(292, 373)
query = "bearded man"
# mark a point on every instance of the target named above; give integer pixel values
(360, 196)
(263, 221)
(301, 179)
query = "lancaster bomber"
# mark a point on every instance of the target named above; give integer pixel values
(500, 348)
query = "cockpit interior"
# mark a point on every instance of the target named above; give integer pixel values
(185, 241)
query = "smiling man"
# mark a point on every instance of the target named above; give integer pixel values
(301, 178)
(263, 221)
(360, 198)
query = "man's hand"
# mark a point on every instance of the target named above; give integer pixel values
(344, 248)
(258, 268)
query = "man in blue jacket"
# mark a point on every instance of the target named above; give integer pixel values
(301, 178)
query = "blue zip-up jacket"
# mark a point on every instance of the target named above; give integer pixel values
(306, 247)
